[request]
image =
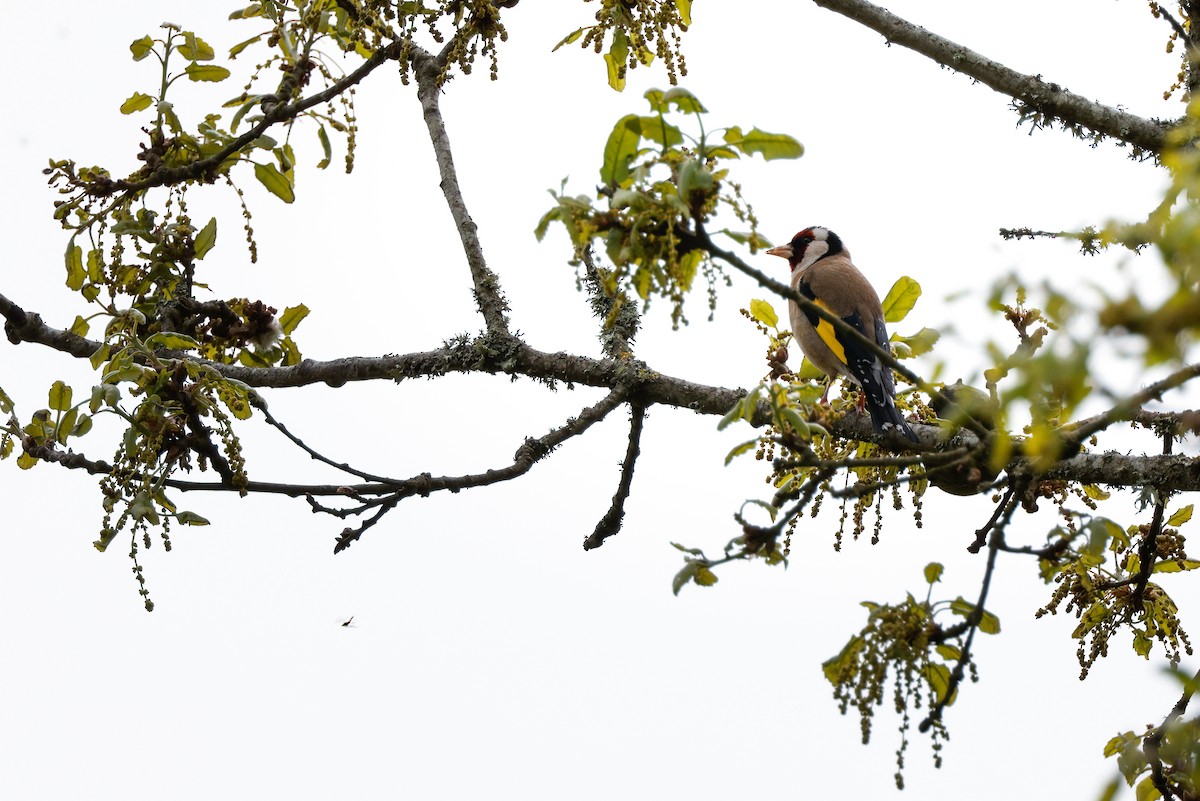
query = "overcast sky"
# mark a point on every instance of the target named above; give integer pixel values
(491, 656)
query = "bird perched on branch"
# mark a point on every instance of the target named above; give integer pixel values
(823, 273)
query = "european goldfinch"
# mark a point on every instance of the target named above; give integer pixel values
(823, 273)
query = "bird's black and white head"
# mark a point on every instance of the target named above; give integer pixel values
(809, 246)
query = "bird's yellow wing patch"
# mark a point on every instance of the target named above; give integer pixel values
(828, 335)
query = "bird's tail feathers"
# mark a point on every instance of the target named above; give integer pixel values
(885, 416)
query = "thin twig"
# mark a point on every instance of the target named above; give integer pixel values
(530, 453)
(299, 443)
(973, 621)
(1000, 517)
(1149, 546)
(610, 524)
(1153, 740)
(205, 167)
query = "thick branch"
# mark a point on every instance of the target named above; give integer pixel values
(1048, 99)
(1168, 473)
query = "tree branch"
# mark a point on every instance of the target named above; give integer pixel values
(492, 304)
(973, 621)
(610, 524)
(1154, 739)
(1030, 91)
(1169, 473)
(207, 167)
(530, 453)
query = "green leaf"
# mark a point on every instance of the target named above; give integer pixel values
(693, 176)
(291, 317)
(82, 426)
(938, 677)
(168, 112)
(681, 578)
(171, 341)
(1094, 616)
(191, 519)
(75, 273)
(900, 299)
(764, 312)
(1181, 516)
(1174, 566)
(1095, 493)
(768, 145)
(616, 58)
(792, 419)
(678, 97)
(326, 147)
(106, 536)
(917, 344)
(95, 266)
(249, 12)
(275, 181)
(988, 623)
(141, 47)
(1110, 789)
(142, 508)
(60, 397)
(195, 49)
(619, 150)
(136, 102)
(66, 425)
(933, 572)
(750, 404)
(570, 38)
(704, 576)
(657, 129)
(1116, 744)
(240, 46)
(684, 7)
(773, 511)
(1146, 791)
(809, 372)
(291, 353)
(732, 416)
(99, 357)
(80, 326)
(206, 72)
(948, 652)
(241, 112)
(6, 403)
(206, 238)
(1100, 531)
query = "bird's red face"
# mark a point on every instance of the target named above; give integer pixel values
(796, 250)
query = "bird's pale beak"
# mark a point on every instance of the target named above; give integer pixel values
(784, 251)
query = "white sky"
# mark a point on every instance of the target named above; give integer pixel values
(491, 656)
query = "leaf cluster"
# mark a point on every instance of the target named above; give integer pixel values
(909, 646)
(658, 186)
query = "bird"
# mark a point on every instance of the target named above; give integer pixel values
(823, 272)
